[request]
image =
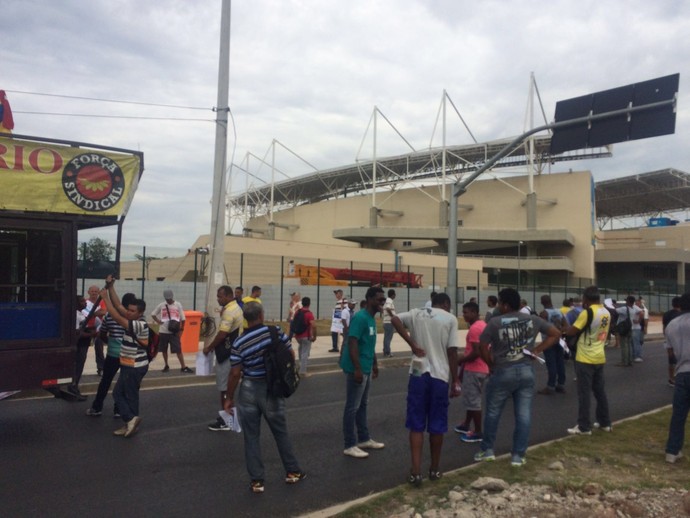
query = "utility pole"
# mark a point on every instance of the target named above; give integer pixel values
(216, 277)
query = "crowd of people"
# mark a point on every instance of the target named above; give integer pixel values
(495, 365)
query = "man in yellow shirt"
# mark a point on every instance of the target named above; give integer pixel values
(592, 327)
(254, 297)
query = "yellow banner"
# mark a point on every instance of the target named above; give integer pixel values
(47, 177)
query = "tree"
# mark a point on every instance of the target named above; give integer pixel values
(98, 249)
(147, 261)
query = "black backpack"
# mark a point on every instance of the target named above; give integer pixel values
(299, 323)
(282, 377)
(623, 327)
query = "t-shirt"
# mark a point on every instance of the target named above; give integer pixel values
(162, 314)
(509, 334)
(678, 336)
(248, 350)
(246, 299)
(131, 354)
(590, 346)
(308, 319)
(555, 317)
(115, 334)
(635, 315)
(346, 317)
(363, 328)
(472, 337)
(386, 306)
(231, 317)
(435, 331)
(336, 318)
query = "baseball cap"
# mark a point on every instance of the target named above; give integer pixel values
(167, 294)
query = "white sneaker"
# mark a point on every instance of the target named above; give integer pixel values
(575, 430)
(371, 444)
(637, 360)
(602, 428)
(671, 458)
(356, 453)
(132, 426)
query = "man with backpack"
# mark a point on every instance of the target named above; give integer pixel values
(628, 329)
(256, 400)
(134, 363)
(304, 331)
(170, 315)
(592, 326)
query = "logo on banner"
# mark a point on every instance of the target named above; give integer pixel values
(93, 182)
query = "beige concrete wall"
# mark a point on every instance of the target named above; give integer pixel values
(655, 238)
(258, 261)
(495, 206)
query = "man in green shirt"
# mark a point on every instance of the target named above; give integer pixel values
(358, 362)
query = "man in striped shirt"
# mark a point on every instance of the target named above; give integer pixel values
(247, 360)
(134, 363)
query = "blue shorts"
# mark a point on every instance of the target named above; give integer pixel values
(427, 404)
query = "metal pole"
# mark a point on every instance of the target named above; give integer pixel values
(143, 272)
(451, 288)
(282, 280)
(215, 277)
(196, 255)
(518, 275)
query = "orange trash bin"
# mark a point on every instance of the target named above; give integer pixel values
(192, 331)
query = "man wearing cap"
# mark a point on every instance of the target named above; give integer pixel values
(170, 316)
(336, 319)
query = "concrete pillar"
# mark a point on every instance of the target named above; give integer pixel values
(373, 217)
(531, 204)
(443, 214)
(681, 274)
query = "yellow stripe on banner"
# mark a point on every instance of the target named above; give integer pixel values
(44, 177)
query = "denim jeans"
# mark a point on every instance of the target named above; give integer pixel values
(110, 367)
(555, 364)
(516, 382)
(334, 340)
(681, 406)
(355, 414)
(253, 404)
(304, 350)
(637, 343)
(126, 392)
(590, 378)
(388, 331)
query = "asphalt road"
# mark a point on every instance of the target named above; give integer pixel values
(58, 462)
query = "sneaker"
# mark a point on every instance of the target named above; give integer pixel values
(116, 415)
(93, 413)
(120, 432)
(292, 477)
(257, 486)
(166, 368)
(671, 458)
(487, 455)
(132, 426)
(560, 389)
(371, 444)
(389, 355)
(575, 430)
(414, 480)
(461, 429)
(671, 383)
(546, 391)
(602, 428)
(333, 350)
(638, 360)
(218, 426)
(435, 475)
(186, 370)
(517, 462)
(471, 437)
(356, 453)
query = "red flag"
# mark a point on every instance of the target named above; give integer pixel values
(6, 119)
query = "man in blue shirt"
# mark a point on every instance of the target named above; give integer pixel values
(247, 363)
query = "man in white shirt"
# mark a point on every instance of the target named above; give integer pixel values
(388, 329)
(170, 315)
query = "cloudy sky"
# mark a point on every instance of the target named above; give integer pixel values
(308, 73)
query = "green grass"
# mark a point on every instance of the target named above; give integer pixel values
(631, 457)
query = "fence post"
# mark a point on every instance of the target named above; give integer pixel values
(282, 286)
(408, 287)
(241, 269)
(318, 286)
(143, 272)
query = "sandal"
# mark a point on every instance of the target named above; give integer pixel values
(414, 480)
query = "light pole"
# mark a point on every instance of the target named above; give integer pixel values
(203, 251)
(518, 276)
